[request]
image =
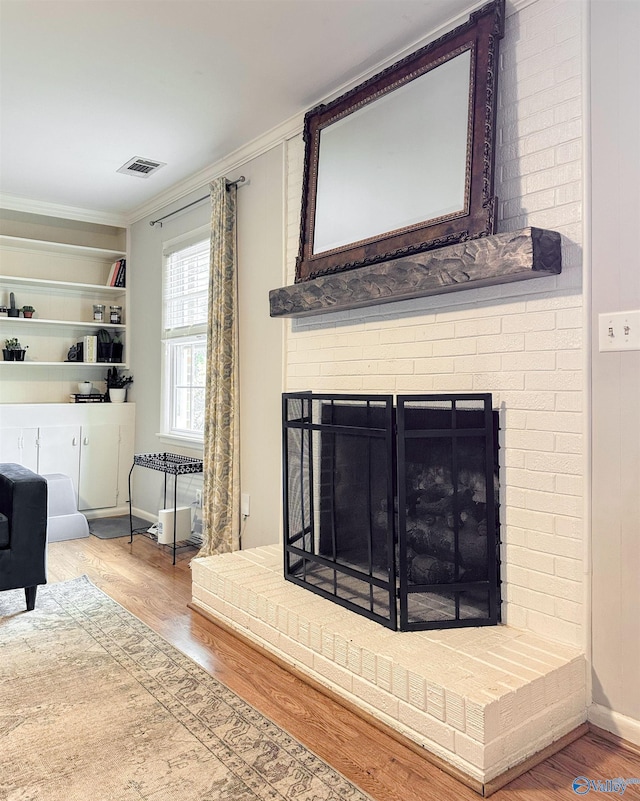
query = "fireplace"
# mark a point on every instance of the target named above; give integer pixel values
(390, 509)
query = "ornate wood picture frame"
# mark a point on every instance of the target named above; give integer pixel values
(411, 100)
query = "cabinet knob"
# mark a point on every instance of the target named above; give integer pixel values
(85, 441)
(74, 441)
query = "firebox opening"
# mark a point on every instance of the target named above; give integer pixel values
(391, 510)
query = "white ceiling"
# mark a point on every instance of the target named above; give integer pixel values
(87, 85)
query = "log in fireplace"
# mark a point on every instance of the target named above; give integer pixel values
(391, 510)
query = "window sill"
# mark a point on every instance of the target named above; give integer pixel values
(186, 442)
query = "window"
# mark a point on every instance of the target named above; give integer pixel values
(185, 306)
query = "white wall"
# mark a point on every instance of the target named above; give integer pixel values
(522, 342)
(260, 267)
(615, 115)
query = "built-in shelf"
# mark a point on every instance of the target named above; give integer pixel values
(37, 321)
(64, 281)
(27, 363)
(44, 246)
(75, 287)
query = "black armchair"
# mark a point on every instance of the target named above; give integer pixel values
(23, 530)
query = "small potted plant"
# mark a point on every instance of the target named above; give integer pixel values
(27, 311)
(13, 310)
(117, 385)
(13, 351)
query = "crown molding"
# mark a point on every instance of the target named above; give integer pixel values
(29, 206)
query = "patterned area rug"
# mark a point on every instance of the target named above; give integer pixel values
(97, 706)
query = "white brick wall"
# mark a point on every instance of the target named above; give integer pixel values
(522, 341)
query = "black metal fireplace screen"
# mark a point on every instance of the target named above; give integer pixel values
(391, 511)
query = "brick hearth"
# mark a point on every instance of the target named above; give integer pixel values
(480, 699)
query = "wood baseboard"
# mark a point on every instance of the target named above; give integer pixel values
(626, 745)
(483, 789)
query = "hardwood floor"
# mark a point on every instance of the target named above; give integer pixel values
(142, 579)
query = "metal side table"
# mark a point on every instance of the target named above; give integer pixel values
(169, 464)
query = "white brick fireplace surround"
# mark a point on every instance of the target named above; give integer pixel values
(482, 699)
(522, 342)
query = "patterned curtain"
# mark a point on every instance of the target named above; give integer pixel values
(221, 479)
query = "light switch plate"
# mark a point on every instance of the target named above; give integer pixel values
(619, 331)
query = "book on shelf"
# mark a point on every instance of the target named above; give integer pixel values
(120, 278)
(92, 397)
(113, 272)
(90, 349)
(117, 273)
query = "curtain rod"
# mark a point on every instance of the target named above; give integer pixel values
(240, 180)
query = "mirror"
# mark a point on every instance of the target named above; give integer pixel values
(404, 162)
(375, 147)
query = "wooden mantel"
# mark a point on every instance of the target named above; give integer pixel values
(496, 259)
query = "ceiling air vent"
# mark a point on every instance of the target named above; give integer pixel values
(142, 168)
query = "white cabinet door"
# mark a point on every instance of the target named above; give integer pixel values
(10, 445)
(20, 445)
(90, 443)
(98, 486)
(59, 452)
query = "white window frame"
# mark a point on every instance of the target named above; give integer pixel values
(172, 338)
